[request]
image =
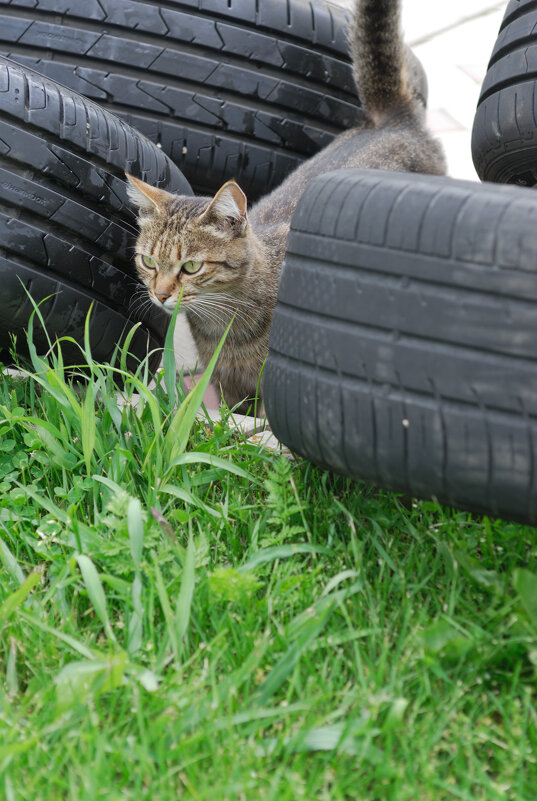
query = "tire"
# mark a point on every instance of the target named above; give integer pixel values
(66, 226)
(242, 89)
(504, 136)
(402, 348)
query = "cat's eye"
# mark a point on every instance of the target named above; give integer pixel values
(148, 262)
(192, 267)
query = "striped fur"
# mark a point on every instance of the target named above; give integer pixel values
(379, 58)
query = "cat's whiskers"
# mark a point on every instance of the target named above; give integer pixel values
(233, 299)
(226, 301)
(205, 300)
(210, 317)
(223, 313)
(139, 301)
(140, 304)
(202, 314)
(227, 309)
(139, 289)
(194, 311)
(134, 214)
(229, 303)
(206, 310)
(136, 296)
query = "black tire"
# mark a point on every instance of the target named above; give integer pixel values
(242, 89)
(504, 136)
(403, 346)
(66, 225)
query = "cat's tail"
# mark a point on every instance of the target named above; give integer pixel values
(382, 63)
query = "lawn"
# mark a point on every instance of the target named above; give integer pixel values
(186, 615)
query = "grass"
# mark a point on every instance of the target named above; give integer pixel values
(185, 615)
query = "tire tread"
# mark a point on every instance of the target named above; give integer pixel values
(65, 221)
(417, 349)
(504, 134)
(254, 77)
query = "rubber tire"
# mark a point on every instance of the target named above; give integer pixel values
(66, 225)
(402, 348)
(504, 136)
(242, 89)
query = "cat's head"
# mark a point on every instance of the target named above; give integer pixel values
(191, 244)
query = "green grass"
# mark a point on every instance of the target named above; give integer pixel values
(185, 615)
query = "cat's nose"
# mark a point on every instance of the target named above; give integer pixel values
(162, 296)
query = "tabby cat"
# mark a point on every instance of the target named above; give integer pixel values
(228, 262)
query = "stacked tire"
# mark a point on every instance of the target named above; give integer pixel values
(242, 89)
(66, 227)
(402, 349)
(212, 90)
(504, 136)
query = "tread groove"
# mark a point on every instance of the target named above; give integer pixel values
(450, 403)
(145, 75)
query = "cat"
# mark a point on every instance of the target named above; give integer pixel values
(227, 262)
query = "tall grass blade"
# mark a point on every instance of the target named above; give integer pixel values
(166, 608)
(289, 660)
(19, 596)
(111, 405)
(281, 552)
(168, 358)
(135, 527)
(10, 563)
(88, 426)
(196, 457)
(186, 593)
(51, 436)
(54, 383)
(87, 345)
(75, 645)
(112, 485)
(46, 503)
(78, 681)
(189, 498)
(176, 438)
(525, 583)
(14, 749)
(12, 679)
(95, 591)
(38, 363)
(125, 348)
(62, 453)
(55, 386)
(135, 630)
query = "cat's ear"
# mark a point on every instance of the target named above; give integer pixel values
(147, 198)
(228, 209)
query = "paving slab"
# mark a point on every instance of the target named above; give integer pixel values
(455, 61)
